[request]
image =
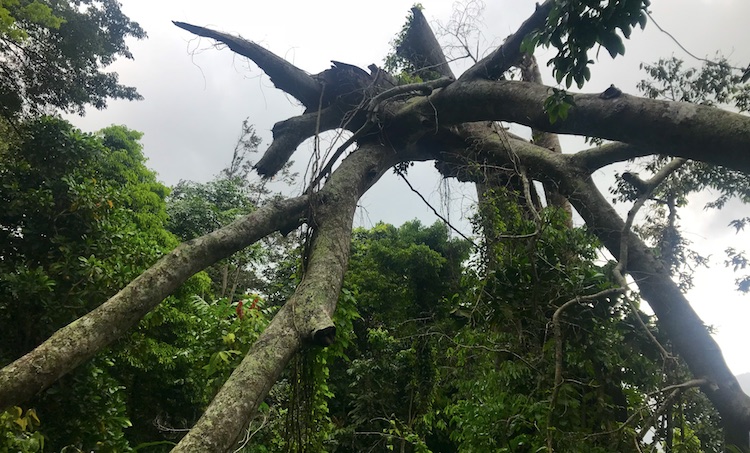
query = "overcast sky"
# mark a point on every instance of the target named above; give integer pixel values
(197, 96)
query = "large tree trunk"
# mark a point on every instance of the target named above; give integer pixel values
(688, 334)
(416, 122)
(306, 316)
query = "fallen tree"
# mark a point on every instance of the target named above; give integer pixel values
(451, 121)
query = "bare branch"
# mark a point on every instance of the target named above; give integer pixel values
(679, 129)
(284, 75)
(501, 59)
(682, 386)
(375, 104)
(530, 73)
(290, 133)
(649, 186)
(610, 153)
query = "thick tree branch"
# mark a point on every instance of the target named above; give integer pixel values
(609, 153)
(682, 325)
(83, 338)
(306, 317)
(290, 133)
(284, 75)
(684, 328)
(509, 53)
(422, 49)
(530, 73)
(678, 129)
(649, 186)
(374, 106)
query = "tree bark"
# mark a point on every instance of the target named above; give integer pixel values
(679, 129)
(284, 75)
(643, 126)
(687, 332)
(422, 49)
(689, 336)
(82, 339)
(306, 316)
(530, 73)
(425, 123)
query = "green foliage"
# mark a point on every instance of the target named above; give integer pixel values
(402, 61)
(574, 27)
(86, 410)
(180, 355)
(557, 105)
(502, 362)
(196, 209)
(18, 431)
(185, 349)
(81, 219)
(53, 54)
(384, 379)
(715, 83)
(83, 216)
(14, 14)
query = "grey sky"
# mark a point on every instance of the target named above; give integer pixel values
(196, 98)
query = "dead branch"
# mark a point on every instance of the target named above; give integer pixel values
(290, 133)
(284, 75)
(373, 107)
(421, 48)
(508, 54)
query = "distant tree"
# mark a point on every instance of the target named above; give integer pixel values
(195, 209)
(404, 282)
(52, 54)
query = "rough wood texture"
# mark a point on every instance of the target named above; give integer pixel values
(284, 75)
(422, 49)
(419, 126)
(530, 73)
(306, 317)
(80, 340)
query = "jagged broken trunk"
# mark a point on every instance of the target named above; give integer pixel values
(451, 121)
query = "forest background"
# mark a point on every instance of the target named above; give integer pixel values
(133, 216)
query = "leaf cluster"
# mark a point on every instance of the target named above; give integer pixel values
(574, 27)
(53, 54)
